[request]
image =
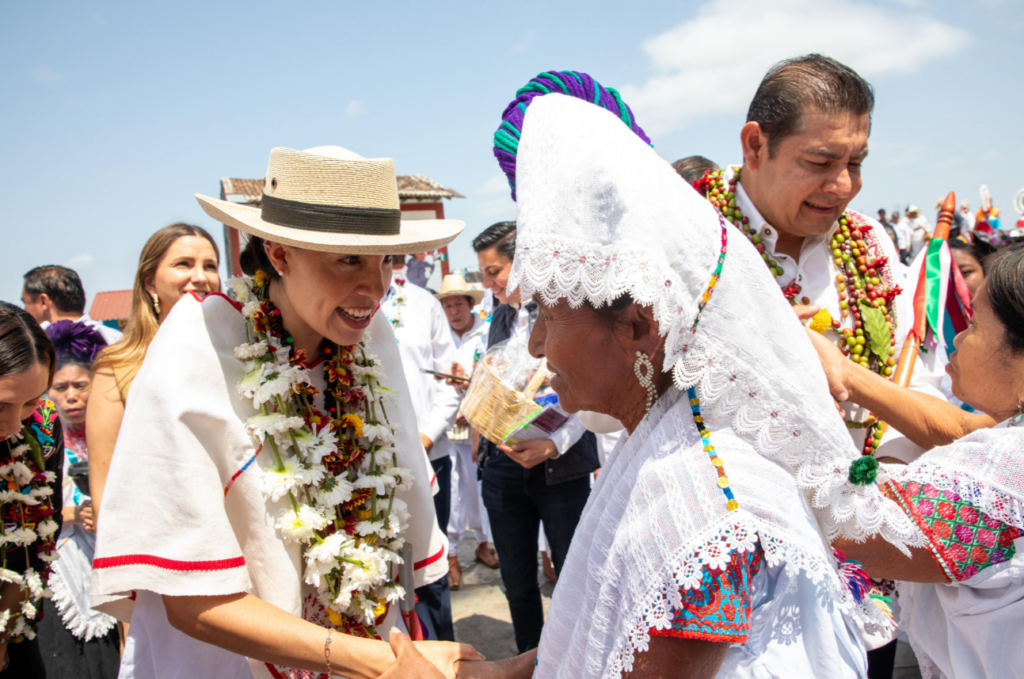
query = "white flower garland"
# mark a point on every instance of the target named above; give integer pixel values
(338, 469)
(21, 484)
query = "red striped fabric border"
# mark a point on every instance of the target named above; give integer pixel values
(167, 564)
(238, 307)
(429, 560)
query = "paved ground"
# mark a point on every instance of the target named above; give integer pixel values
(481, 615)
(480, 610)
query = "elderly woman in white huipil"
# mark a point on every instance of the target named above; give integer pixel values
(268, 470)
(703, 550)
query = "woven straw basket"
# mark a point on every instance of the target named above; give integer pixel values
(495, 410)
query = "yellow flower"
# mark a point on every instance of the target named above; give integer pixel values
(379, 609)
(335, 617)
(261, 278)
(821, 322)
(354, 421)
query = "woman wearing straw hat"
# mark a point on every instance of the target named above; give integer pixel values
(268, 470)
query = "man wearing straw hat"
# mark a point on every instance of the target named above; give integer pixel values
(268, 469)
(469, 332)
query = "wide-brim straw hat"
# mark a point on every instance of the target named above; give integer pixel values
(455, 285)
(333, 200)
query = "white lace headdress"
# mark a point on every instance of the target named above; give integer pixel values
(600, 214)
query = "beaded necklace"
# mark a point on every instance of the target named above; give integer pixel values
(863, 295)
(337, 469)
(691, 393)
(26, 522)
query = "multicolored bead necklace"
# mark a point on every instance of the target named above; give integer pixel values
(691, 393)
(713, 187)
(863, 295)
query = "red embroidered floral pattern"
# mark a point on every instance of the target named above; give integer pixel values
(718, 610)
(962, 539)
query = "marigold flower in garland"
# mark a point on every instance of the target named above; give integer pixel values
(341, 481)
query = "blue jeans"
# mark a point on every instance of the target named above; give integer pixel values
(517, 500)
(434, 601)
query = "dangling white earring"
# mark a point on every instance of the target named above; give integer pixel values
(1018, 419)
(646, 380)
(156, 303)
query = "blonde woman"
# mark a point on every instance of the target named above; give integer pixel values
(176, 260)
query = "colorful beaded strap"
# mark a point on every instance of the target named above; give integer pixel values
(698, 419)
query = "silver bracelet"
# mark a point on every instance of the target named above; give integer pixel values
(327, 651)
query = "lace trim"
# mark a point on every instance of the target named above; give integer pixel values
(739, 534)
(555, 268)
(81, 624)
(987, 500)
(759, 415)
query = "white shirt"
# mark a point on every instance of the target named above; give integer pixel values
(570, 432)
(903, 234)
(920, 231)
(472, 345)
(968, 218)
(968, 629)
(425, 342)
(815, 273)
(108, 333)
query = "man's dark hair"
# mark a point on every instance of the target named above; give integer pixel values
(61, 284)
(812, 80)
(692, 168)
(500, 236)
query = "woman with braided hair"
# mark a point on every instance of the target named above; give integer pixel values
(703, 549)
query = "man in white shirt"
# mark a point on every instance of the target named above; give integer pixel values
(54, 293)
(469, 333)
(803, 144)
(967, 216)
(920, 230)
(425, 343)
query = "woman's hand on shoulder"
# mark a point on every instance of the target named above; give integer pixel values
(835, 365)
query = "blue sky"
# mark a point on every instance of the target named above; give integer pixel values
(116, 113)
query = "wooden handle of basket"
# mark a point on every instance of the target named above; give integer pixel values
(538, 379)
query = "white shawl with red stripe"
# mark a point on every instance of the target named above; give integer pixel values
(184, 514)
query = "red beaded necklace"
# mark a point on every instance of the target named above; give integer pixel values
(863, 295)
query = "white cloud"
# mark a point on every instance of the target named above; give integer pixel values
(354, 109)
(525, 43)
(714, 62)
(80, 261)
(45, 74)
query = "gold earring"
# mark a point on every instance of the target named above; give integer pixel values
(156, 303)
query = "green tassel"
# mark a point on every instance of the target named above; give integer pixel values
(863, 470)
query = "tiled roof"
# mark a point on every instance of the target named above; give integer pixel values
(418, 186)
(251, 190)
(113, 305)
(410, 186)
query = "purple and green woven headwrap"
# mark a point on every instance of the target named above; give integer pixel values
(571, 83)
